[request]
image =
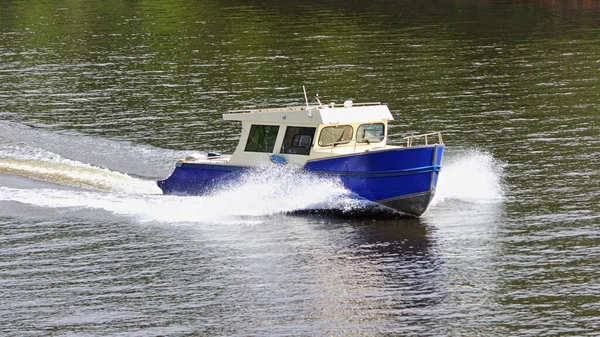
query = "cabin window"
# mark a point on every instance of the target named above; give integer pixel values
(298, 140)
(370, 133)
(262, 138)
(334, 135)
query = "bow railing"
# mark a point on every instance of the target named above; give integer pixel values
(424, 139)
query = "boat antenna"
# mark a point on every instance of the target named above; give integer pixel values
(305, 97)
(306, 100)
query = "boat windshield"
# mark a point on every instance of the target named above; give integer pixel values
(262, 138)
(298, 140)
(370, 133)
(334, 135)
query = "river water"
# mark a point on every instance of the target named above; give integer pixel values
(98, 100)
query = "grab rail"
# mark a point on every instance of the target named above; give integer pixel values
(303, 108)
(425, 137)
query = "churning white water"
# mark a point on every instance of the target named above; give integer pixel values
(470, 176)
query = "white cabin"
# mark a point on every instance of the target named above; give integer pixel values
(302, 133)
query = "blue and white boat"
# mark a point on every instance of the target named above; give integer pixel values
(346, 141)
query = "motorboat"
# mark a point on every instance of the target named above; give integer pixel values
(348, 141)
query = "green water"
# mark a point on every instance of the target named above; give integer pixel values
(510, 246)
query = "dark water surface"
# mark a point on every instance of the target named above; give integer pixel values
(98, 99)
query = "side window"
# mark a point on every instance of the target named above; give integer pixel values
(334, 135)
(370, 133)
(262, 138)
(298, 140)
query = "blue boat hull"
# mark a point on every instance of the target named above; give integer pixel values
(403, 179)
(200, 179)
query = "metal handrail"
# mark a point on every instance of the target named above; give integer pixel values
(302, 108)
(410, 139)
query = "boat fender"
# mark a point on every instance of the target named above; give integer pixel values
(213, 155)
(278, 160)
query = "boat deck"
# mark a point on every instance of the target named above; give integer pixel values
(202, 159)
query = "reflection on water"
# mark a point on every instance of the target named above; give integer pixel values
(99, 99)
(392, 270)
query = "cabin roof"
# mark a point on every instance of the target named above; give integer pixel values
(315, 115)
